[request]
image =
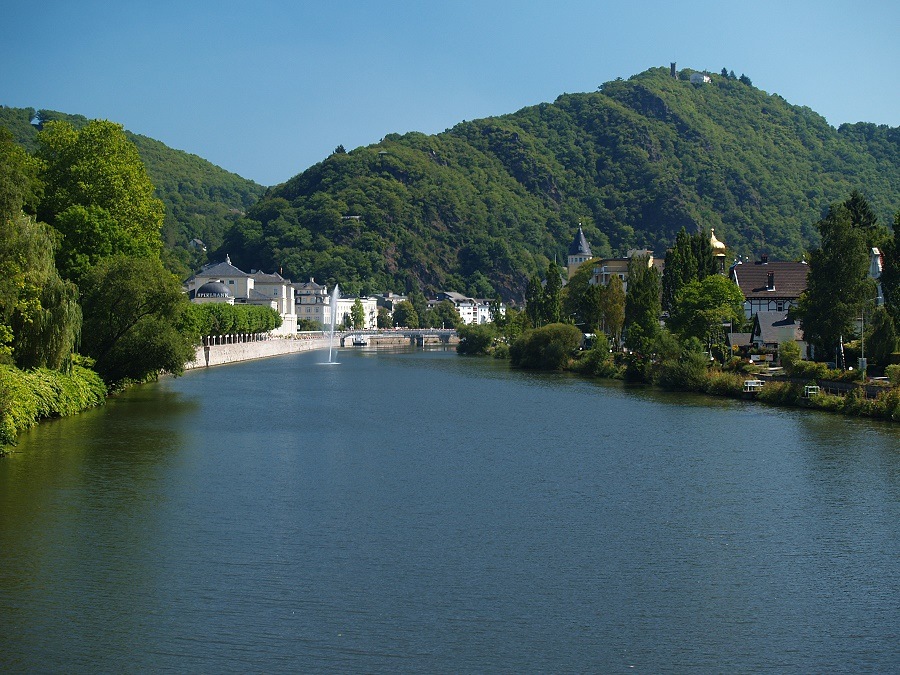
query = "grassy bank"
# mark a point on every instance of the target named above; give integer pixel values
(27, 397)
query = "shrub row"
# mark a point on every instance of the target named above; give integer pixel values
(29, 396)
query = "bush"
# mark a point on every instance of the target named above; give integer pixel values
(893, 374)
(546, 348)
(476, 339)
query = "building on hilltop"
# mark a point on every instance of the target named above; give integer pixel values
(579, 252)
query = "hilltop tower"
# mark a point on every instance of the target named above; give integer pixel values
(579, 252)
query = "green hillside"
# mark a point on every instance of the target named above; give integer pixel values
(202, 200)
(482, 206)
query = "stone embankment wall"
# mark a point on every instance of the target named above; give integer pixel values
(217, 355)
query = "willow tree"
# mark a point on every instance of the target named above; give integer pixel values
(40, 319)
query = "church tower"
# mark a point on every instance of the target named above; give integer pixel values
(579, 252)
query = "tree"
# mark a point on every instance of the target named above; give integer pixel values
(533, 297)
(613, 304)
(745, 80)
(132, 312)
(20, 185)
(340, 150)
(838, 284)
(703, 306)
(40, 319)
(582, 300)
(890, 275)
(443, 315)
(642, 301)
(405, 315)
(882, 341)
(357, 314)
(551, 298)
(680, 270)
(384, 319)
(98, 167)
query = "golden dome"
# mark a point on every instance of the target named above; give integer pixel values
(715, 243)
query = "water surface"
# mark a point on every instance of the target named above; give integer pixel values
(419, 511)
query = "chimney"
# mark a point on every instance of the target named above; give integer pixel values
(770, 281)
(764, 259)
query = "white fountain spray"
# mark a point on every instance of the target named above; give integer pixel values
(335, 295)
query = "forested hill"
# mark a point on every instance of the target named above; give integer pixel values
(202, 200)
(487, 203)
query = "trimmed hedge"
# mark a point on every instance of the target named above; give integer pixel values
(29, 396)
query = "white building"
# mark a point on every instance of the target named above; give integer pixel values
(223, 282)
(471, 310)
(700, 78)
(313, 302)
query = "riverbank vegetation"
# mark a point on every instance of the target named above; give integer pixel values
(615, 335)
(86, 304)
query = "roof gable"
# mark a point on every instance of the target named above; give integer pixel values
(753, 280)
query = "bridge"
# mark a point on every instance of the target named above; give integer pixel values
(415, 336)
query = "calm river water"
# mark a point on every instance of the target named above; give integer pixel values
(424, 512)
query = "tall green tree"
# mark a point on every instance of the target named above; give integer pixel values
(703, 306)
(890, 275)
(838, 285)
(20, 184)
(642, 300)
(582, 299)
(133, 311)
(533, 297)
(613, 305)
(882, 339)
(443, 315)
(40, 319)
(405, 315)
(680, 270)
(551, 298)
(358, 314)
(98, 169)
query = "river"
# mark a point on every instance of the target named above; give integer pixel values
(417, 511)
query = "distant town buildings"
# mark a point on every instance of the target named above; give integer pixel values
(223, 282)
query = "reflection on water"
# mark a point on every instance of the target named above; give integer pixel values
(414, 510)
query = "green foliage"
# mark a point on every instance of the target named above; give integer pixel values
(838, 284)
(201, 200)
(357, 314)
(20, 186)
(133, 313)
(384, 318)
(98, 167)
(789, 355)
(893, 374)
(40, 320)
(443, 315)
(642, 302)
(29, 396)
(635, 162)
(219, 318)
(882, 340)
(598, 361)
(405, 315)
(701, 307)
(477, 340)
(546, 348)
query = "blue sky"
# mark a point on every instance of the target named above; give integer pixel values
(268, 88)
